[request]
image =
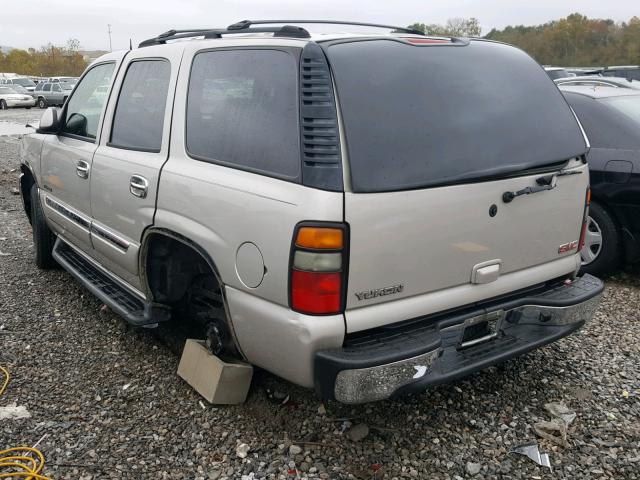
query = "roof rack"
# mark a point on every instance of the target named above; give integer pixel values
(248, 23)
(247, 26)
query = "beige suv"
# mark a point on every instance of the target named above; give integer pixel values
(366, 214)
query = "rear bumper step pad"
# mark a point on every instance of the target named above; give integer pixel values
(115, 295)
(434, 352)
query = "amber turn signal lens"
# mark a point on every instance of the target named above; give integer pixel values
(320, 238)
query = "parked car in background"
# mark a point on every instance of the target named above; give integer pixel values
(364, 258)
(584, 71)
(52, 93)
(22, 81)
(71, 80)
(632, 72)
(558, 72)
(599, 81)
(24, 91)
(611, 118)
(10, 98)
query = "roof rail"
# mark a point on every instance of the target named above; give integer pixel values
(247, 26)
(284, 31)
(248, 23)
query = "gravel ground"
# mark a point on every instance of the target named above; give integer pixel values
(70, 366)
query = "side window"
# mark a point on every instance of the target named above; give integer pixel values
(56, 88)
(139, 116)
(47, 87)
(84, 107)
(242, 111)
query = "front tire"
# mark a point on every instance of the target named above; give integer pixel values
(3, 105)
(601, 252)
(43, 237)
(42, 103)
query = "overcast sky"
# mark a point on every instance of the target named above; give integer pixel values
(33, 23)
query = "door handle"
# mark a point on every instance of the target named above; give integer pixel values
(138, 186)
(82, 169)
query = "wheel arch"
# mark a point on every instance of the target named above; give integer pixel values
(27, 180)
(146, 244)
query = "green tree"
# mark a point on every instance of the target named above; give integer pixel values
(455, 27)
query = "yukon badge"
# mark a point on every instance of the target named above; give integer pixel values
(380, 292)
(567, 247)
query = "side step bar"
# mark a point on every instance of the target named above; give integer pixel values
(116, 296)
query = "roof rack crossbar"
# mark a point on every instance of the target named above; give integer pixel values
(247, 23)
(284, 31)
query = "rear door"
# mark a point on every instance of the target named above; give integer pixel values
(66, 158)
(437, 135)
(127, 164)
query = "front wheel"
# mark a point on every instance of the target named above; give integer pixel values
(43, 237)
(42, 103)
(3, 105)
(601, 251)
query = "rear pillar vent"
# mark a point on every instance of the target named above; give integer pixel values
(319, 136)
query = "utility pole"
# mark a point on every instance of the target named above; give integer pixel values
(109, 30)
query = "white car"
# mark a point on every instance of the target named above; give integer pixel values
(9, 97)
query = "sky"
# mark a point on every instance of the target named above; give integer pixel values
(33, 23)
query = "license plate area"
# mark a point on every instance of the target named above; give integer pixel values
(480, 329)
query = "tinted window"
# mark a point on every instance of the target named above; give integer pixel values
(554, 74)
(47, 87)
(423, 116)
(84, 107)
(604, 126)
(55, 88)
(242, 110)
(627, 105)
(139, 117)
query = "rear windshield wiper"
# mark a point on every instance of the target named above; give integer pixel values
(546, 182)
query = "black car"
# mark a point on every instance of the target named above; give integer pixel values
(630, 72)
(611, 119)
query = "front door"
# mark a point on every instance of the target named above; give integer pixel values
(127, 163)
(66, 158)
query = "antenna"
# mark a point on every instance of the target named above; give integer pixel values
(109, 31)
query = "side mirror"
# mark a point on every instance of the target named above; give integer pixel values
(49, 122)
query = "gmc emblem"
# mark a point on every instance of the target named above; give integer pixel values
(567, 247)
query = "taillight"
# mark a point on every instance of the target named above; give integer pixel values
(318, 268)
(585, 219)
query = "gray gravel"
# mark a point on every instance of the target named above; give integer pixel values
(70, 362)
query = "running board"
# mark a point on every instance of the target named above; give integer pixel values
(116, 296)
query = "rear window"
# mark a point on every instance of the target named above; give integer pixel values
(417, 116)
(627, 105)
(242, 111)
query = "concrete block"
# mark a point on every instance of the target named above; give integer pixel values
(219, 382)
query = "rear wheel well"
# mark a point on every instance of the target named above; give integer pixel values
(178, 273)
(26, 182)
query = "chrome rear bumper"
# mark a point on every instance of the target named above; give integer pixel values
(396, 360)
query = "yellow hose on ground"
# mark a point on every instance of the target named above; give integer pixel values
(16, 458)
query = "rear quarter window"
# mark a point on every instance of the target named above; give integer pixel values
(242, 111)
(417, 116)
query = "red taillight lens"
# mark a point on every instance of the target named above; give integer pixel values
(318, 268)
(585, 219)
(316, 292)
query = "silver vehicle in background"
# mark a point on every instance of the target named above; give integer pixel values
(25, 82)
(322, 205)
(56, 93)
(10, 98)
(599, 81)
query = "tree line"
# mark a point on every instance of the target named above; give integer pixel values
(572, 41)
(48, 61)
